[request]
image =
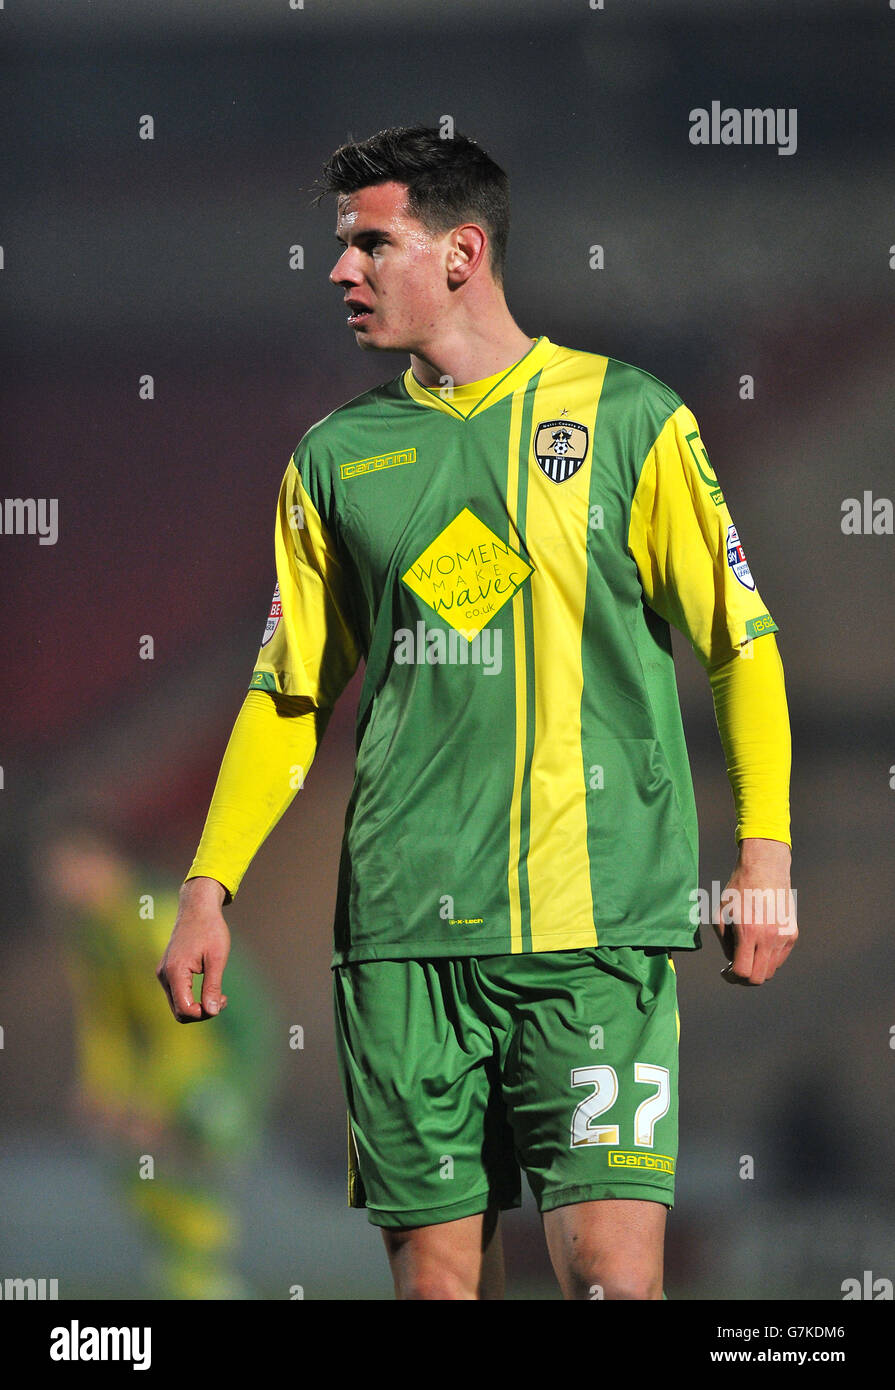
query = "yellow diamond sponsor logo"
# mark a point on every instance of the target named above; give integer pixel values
(467, 574)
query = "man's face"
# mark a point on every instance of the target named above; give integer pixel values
(392, 270)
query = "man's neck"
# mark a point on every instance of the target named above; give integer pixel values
(464, 358)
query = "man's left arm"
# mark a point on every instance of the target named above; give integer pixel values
(695, 574)
(757, 927)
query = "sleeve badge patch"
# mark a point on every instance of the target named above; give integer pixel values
(273, 620)
(736, 559)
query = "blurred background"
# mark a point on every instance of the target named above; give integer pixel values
(127, 258)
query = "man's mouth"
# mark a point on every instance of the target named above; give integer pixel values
(358, 312)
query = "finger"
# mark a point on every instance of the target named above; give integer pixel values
(211, 986)
(162, 977)
(725, 935)
(786, 939)
(743, 959)
(221, 1007)
(728, 976)
(725, 929)
(763, 961)
(180, 985)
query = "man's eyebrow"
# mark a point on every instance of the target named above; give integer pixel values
(365, 235)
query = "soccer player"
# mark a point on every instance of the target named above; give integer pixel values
(503, 533)
(197, 1104)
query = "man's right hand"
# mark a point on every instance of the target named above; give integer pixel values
(199, 945)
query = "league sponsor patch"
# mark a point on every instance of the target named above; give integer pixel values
(273, 618)
(736, 559)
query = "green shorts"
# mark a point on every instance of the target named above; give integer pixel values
(459, 1072)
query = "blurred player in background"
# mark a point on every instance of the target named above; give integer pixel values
(503, 533)
(194, 1105)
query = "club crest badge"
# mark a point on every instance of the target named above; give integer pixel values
(736, 559)
(560, 447)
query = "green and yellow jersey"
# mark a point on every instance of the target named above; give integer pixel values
(506, 561)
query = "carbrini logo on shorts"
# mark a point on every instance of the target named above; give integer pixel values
(467, 574)
(656, 1163)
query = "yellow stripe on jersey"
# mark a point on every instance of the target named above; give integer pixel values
(521, 677)
(677, 1015)
(556, 532)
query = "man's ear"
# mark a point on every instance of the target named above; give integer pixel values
(467, 251)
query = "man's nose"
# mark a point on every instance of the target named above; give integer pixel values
(345, 269)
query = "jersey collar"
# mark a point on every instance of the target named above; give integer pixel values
(514, 377)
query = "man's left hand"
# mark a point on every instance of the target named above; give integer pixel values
(758, 927)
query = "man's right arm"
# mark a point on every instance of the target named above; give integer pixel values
(309, 652)
(270, 750)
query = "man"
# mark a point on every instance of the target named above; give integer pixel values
(198, 1105)
(503, 533)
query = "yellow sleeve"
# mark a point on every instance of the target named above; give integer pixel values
(308, 654)
(267, 758)
(310, 647)
(265, 763)
(694, 573)
(753, 720)
(691, 563)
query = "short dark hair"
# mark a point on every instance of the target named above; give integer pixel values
(448, 181)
